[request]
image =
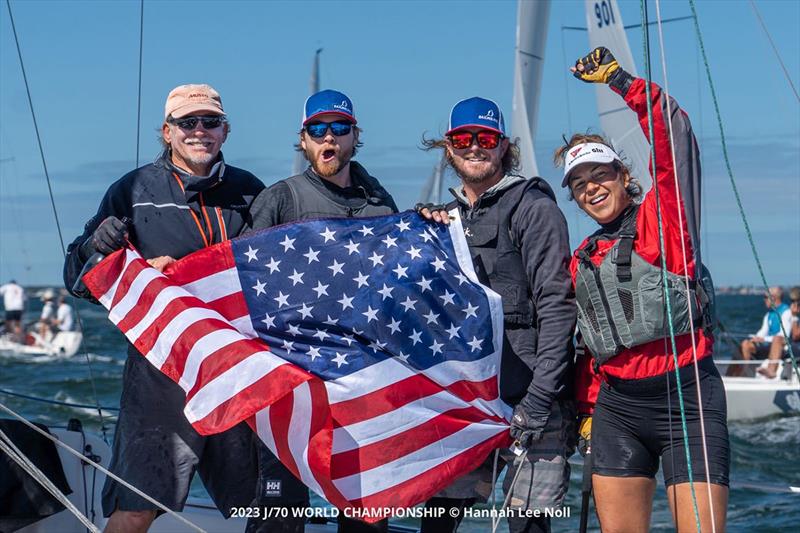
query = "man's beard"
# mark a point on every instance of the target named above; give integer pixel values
(472, 177)
(329, 168)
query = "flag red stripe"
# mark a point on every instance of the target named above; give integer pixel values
(231, 307)
(100, 279)
(134, 269)
(280, 416)
(175, 363)
(144, 304)
(222, 360)
(204, 263)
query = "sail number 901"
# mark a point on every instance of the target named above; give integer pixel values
(605, 15)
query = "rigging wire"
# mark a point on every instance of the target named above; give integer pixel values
(733, 183)
(662, 253)
(55, 211)
(685, 266)
(139, 97)
(775, 49)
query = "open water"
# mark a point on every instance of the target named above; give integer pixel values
(765, 454)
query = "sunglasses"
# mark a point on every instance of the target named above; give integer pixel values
(488, 140)
(190, 123)
(338, 128)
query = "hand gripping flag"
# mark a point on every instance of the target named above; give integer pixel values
(363, 352)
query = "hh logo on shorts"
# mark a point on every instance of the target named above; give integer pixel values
(272, 487)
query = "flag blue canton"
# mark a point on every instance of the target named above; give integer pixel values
(334, 296)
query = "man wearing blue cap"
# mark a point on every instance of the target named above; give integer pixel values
(519, 244)
(332, 186)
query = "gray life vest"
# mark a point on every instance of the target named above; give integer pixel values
(621, 303)
(311, 203)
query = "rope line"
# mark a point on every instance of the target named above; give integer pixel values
(55, 402)
(775, 49)
(733, 182)
(662, 253)
(685, 266)
(100, 467)
(139, 98)
(55, 211)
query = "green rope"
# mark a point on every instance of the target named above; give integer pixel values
(662, 253)
(733, 184)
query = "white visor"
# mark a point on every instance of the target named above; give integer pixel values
(587, 153)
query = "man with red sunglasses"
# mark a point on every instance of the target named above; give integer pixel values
(185, 200)
(519, 244)
(333, 186)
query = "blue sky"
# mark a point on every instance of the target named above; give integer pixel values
(403, 64)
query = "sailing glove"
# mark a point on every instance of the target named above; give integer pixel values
(584, 435)
(527, 424)
(598, 67)
(110, 235)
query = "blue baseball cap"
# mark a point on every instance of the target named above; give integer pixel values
(476, 112)
(328, 102)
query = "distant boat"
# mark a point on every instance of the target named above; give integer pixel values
(63, 344)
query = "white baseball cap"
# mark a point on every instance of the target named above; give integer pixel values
(587, 153)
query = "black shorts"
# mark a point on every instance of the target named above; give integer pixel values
(157, 450)
(14, 315)
(636, 425)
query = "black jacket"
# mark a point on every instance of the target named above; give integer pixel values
(537, 358)
(160, 210)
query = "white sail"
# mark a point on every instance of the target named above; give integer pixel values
(300, 162)
(532, 18)
(618, 122)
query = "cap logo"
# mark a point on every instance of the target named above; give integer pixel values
(575, 152)
(488, 116)
(343, 105)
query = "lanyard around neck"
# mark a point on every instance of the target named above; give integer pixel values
(208, 238)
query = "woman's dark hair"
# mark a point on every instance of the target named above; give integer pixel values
(634, 188)
(510, 161)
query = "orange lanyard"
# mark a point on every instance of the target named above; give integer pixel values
(207, 239)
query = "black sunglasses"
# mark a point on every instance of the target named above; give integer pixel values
(190, 123)
(338, 128)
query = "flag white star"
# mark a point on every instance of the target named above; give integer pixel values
(269, 321)
(340, 359)
(313, 351)
(431, 316)
(475, 344)
(361, 279)
(436, 347)
(311, 255)
(293, 329)
(461, 278)
(296, 277)
(252, 255)
(377, 346)
(415, 337)
(389, 241)
(413, 252)
(470, 310)
(336, 267)
(365, 231)
(376, 259)
(403, 226)
(447, 298)
(386, 292)
(328, 234)
(282, 299)
(438, 264)
(403, 357)
(287, 243)
(425, 284)
(259, 287)
(400, 271)
(394, 326)
(453, 330)
(321, 334)
(273, 265)
(288, 346)
(371, 314)
(305, 311)
(426, 236)
(348, 339)
(352, 248)
(331, 321)
(408, 303)
(346, 301)
(321, 289)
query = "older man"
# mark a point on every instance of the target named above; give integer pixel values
(777, 319)
(187, 199)
(519, 244)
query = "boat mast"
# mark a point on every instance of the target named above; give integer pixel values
(300, 162)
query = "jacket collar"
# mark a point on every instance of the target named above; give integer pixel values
(194, 184)
(506, 182)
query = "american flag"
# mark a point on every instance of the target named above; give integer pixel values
(363, 352)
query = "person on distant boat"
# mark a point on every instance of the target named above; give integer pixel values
(187, 199)
(64, 320)
(14, 305)
(777, 319)
(48, 314)
(519, 244)
(623, 322)
(333, 186)
(778, 345)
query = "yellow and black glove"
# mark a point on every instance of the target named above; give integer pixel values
(598, 67)
(584, 434)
